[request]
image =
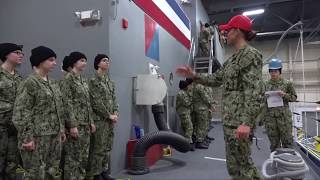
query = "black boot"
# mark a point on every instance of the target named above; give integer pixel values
(107, 176)
(209, 128)
(201, 145)
(210, 138)
(207, 142)
(98, 177)
(192, 147)
(19, 176)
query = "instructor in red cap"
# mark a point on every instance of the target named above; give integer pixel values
(242, 98)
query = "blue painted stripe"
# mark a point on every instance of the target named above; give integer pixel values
(174, 5)
(153, 50)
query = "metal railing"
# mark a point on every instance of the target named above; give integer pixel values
(211, 55)
(192, 51)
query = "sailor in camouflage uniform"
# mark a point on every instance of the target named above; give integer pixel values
(79, 121)
(184, 109)
(66, 68)
(211, 111)
(38, 117)
(243, 95)
(11, 55)
(204, 39)
(105, 111)
(278, 120)
(202, 105)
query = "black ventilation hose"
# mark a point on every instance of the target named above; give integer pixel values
(177, 141)
(158, 114)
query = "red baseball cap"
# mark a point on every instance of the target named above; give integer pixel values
(239, 22)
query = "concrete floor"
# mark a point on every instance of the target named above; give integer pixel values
(204, 164)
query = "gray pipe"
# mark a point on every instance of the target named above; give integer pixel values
(266, 60)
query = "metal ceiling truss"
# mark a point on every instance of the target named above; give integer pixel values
(246, 6)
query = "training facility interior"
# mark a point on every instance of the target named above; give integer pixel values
(140, 42)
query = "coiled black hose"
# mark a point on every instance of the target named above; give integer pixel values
(177, 141)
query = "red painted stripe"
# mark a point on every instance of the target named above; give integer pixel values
(153, 11)
(150, 28)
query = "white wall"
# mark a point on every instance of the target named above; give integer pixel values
(287, 52)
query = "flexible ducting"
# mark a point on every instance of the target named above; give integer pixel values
(177, 141)
(158, 114)
(286, 164)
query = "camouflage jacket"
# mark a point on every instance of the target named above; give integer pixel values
(8, 90)
(102, 96)
(58, 83)
(184, 101)
(243, 92)
(205, 35)
(285, 86)
(38, 108)
(210, 93)
(76, 99)
(201, 98)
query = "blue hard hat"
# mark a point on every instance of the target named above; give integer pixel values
(275, 64)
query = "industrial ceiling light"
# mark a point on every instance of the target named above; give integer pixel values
(253, 12)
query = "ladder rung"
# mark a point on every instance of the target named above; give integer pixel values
(201, 68)
(202, 62)
(202, 58)
(202, 65)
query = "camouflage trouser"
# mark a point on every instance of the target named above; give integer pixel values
(238, 152)
(186, 124)
(209, 120)
(279, 130)
(43, 162)
(62, 160)
(204, 48)
(201, 124)
(9, 153)
(77, 153)
(100, 147)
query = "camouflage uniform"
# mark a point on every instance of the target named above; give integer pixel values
(202, 102)
(242, 99)
(63, 151)
(76, 99)
(211, 95)
(204, 41)
(278, 120)
(104, 104)
(9, 156)
(184, 109)
(38, 116)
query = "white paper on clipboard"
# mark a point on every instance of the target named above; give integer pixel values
(273, 99)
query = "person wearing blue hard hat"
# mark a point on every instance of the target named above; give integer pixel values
(275, 64)
(277, 120)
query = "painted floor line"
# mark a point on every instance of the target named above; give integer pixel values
(216, 159)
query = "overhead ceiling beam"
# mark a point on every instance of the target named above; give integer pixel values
(278, 16)
(220, 8)
(283, 19)
(275, 33)
(312, 34)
